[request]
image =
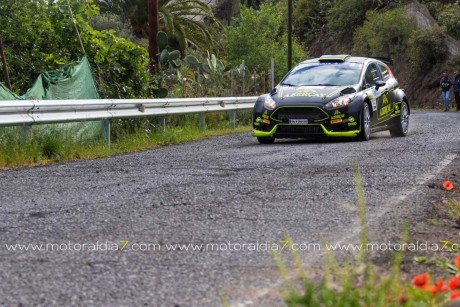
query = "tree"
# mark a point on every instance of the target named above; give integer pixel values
(185, 21)
(258, 35)
(39, 35)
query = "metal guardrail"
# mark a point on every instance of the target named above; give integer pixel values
(29, 112)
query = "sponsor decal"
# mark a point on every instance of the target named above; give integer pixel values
(375, 93)
(265, 115)
(387, 107)
(374, 104)
(304, 93)
(262, 121)
(337, 115)
(336, 121)
(351, 119)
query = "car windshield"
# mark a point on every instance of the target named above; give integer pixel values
(324, 73)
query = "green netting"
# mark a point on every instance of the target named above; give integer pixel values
(6, 94)
(74, 81)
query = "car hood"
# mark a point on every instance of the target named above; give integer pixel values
(317, 95)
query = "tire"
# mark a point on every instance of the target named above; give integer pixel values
(266, 140)
(365, 123)
(402, 125)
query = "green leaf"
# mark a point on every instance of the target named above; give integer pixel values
(176, 63)
(213, 62)
(160, 92)
(174, 55)
(164, 57)
(162, 40)
(192, 60)
(205, 68)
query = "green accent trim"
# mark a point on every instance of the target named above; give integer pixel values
(258, 133)
(352, 133)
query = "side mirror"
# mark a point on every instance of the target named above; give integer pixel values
(379, 84)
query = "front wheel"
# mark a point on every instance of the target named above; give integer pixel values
(266, 140)
(402, 126)
(365, 124)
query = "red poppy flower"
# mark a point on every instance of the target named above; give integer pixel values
(421, 280)
(440, 287)
(402, 299)
(455, 295)
(447, 185)
(457, 262)
(454, 283)
(432, 289)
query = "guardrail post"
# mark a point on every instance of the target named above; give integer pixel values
(106, 131)
(25, 131)
(202, 121)
(232, 116)
(163, 123)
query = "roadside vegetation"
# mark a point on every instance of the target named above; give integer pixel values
(356, 281)
(37, 146)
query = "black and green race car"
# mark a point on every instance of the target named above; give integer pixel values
(333, 96)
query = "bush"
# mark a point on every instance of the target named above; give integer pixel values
(258, 35)
(122, 28)
(450, 18)
(434, 48)
(383, 34)
(345, 16)
(41, 36)
(309, 17)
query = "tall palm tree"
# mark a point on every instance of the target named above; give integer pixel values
(185, 21)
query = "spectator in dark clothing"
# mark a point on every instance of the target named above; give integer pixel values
(446, 84)
(457, 89)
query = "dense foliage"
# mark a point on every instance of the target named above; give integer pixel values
(40, 35)
(383, 34)
(259, 35)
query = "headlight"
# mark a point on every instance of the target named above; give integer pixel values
(339, 102)
(269, 103)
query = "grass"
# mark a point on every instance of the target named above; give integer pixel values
(357, 281)
(41, 145)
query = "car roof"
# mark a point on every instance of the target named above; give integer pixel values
(342, 58)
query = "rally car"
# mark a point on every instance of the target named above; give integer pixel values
(333, 96)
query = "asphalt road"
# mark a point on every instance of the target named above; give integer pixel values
(226, 190)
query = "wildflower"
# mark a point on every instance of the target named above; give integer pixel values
(184, 79)
(421, 280)
(447, 185)
(440, 286)
(455, 295)
(457, 262)
(454, 283)
(430, 288)
(402, 299)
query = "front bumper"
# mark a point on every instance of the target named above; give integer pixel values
(317, 130)
(306, 122)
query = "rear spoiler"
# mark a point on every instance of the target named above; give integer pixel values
(387, 61)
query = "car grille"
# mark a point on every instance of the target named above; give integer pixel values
(299, 130)
(312, 114)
